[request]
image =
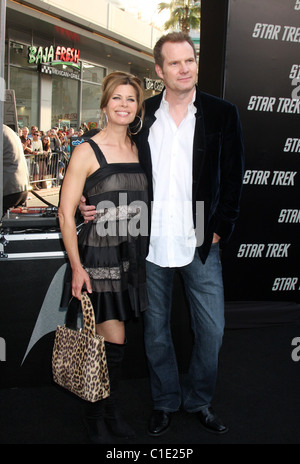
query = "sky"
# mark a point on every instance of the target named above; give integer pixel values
(145, 9)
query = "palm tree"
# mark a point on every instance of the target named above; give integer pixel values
(184, 14)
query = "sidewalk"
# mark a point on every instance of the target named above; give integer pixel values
(36, 197)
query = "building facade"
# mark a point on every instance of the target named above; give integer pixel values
(58, 52)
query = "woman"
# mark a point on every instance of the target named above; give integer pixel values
(106, 259)
(46, 146)
(63, 156)
(36, 143)
(37, 149)
(44, 158)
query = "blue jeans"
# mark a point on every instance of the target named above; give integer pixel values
(204, 290)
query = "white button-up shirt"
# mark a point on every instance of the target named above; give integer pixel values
(172, 240)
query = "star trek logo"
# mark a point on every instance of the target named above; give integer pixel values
(50, 315)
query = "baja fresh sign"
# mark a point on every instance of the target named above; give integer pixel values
(54, 55)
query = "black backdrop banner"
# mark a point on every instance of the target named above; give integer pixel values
(250, 55)
(262, 77)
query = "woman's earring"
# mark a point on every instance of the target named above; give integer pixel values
(137, 128)
(103, 120)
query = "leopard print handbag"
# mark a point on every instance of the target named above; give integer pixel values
(79, 359)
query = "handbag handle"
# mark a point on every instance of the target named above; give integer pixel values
(86, 307)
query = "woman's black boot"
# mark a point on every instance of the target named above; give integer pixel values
(113, 418)
(95, 423)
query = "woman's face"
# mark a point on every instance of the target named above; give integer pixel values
(122, 106)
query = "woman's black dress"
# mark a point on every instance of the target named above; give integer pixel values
(113, 247)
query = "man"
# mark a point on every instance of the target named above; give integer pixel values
(15, 172)
(33, 130)
(26, 141)
(55, 143)
(191, 149)
(70, 133)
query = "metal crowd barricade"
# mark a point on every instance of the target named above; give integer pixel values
(46, 171)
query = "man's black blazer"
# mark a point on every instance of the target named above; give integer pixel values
(218, 163)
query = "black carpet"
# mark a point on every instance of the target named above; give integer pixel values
(257, 395)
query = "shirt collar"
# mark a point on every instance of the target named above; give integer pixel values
(191, 106)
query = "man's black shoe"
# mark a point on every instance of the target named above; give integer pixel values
(159, 423)
(211, 421)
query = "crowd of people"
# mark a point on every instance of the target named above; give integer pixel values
(47, 153)
(32, 158)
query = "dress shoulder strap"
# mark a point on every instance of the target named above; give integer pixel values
(98, 153)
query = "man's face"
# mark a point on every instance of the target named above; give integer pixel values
(25, 132)
(179, 71)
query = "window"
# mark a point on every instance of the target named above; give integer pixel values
(92, 77)
(91, 96)
(25, 85)
(24, 80)
(64, 101)
(92, 73)
(18, 56)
